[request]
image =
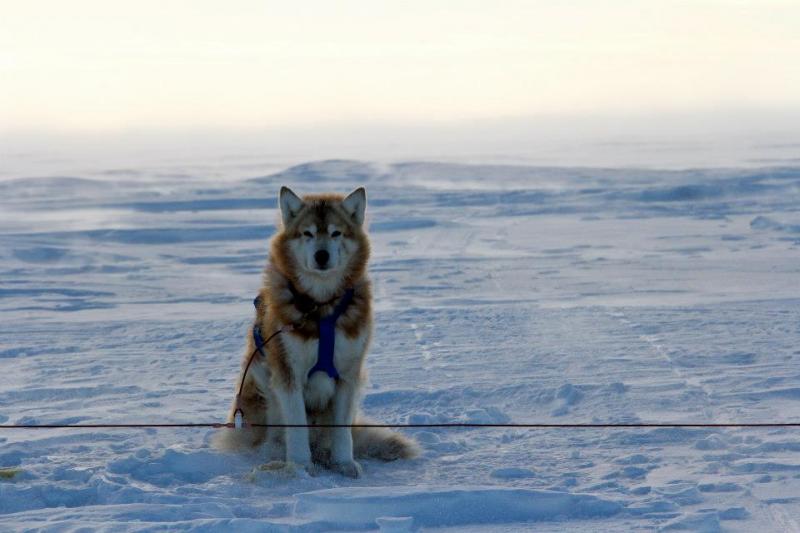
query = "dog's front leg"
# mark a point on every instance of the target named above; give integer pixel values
(294, 413)
(342, 437)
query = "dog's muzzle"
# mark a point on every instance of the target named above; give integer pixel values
(322, 257)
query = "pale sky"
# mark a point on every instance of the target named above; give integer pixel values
(94, 66)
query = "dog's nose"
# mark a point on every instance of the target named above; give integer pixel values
(322, 257)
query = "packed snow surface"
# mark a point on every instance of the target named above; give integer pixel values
(503, 294)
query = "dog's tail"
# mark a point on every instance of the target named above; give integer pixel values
(382, 443)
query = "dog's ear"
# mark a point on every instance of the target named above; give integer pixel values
(356, 204)
(290, 205)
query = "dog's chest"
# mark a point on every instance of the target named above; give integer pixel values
(319, 388)
(303, 353)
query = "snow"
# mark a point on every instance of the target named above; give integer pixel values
(503, 294)
(433, 506)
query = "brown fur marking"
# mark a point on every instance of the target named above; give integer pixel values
(277, 309)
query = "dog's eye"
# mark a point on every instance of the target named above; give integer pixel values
(307, 234)
(336, 233)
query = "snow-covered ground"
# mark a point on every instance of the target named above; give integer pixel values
(503, 293)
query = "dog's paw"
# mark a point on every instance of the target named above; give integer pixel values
(273, 466)
(272, 470)
(348, 468)
(288, 469)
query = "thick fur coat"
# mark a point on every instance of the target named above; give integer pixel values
(320, 251)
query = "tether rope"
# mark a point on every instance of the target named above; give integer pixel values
(222, 425)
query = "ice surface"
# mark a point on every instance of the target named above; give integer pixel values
(502, 293)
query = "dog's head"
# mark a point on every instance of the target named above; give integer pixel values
(322, 244)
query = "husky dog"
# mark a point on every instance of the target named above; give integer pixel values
(318, 259)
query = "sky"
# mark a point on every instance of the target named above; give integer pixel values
(97, 65)
(422, 75)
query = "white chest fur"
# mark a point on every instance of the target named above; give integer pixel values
(302, 355)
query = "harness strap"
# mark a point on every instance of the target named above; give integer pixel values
(327, 331)
(257, 338)
(327, 338)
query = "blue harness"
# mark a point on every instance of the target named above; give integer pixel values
(326, 328)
